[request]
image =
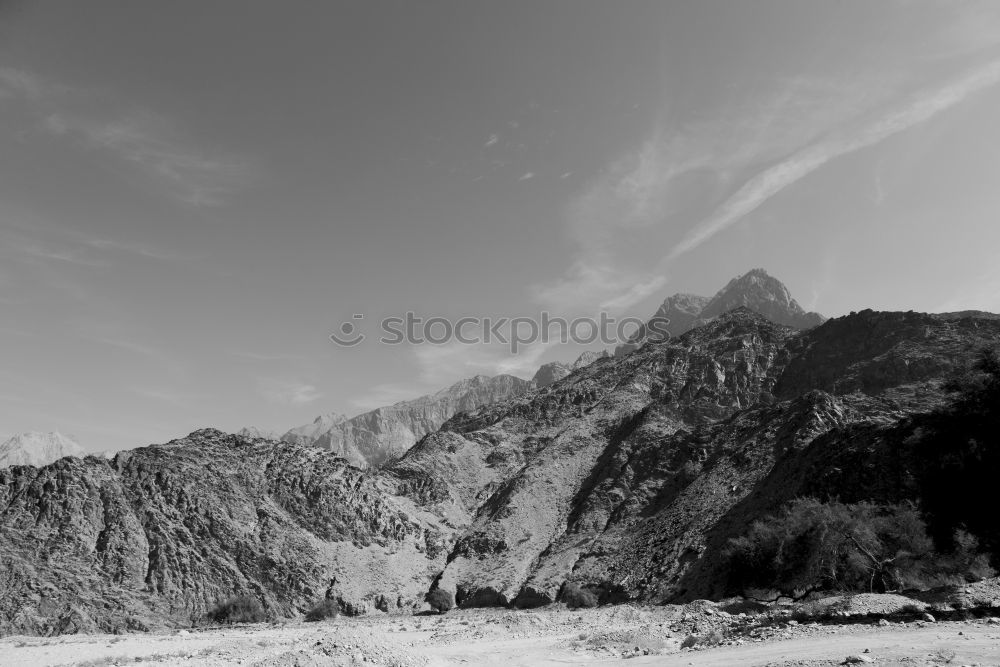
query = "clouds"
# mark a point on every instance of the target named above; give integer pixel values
(921, 107)
(284, 392)
(695, 176)
(148, 143)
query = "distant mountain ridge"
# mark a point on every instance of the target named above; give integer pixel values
(375, 437)
(557, 370)
(627, 478)
(756, 290)
(37, 449)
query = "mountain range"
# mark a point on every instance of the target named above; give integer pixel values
(627, 477)
(755, 290)
(34, 448)
(380, 435)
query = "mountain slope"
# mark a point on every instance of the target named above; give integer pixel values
(380, 435)
(38, 449)
(159, 534)
(755, 290)
(627, 476)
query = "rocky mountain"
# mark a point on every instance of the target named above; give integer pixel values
(157, 534)
(255, 432)
(755, 290)
(37, 449)
(557, 370)
(372, 438)
(626, 477)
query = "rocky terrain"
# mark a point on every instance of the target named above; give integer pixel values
(630, 475)
(755, 290)
(557, 370)
(156, 535)
(626, 477)
(37, 449)
(375, 437)
(865, 629)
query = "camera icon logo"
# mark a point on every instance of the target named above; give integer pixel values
(349, 335)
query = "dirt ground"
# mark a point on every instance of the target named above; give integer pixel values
(606, 636)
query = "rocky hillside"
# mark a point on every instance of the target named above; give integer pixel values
(375, 437)
(626, 477)
(557, 370)
(158, 534)
(755, 290)
(37, 449)
(629, 475)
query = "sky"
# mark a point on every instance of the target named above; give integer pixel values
(194, 196)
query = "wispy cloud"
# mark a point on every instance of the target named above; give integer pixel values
(16, 82)
(153, 144)
(148, 141)
(923, 106)
(286, 392)
(527, 176)
(723, 167)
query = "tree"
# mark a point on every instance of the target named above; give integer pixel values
(959, 459)
(440, 600)
(577, 597)
(812, 546)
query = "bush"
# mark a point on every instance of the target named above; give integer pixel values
(577, 597)
(440, 600)
(813, 546)
(958, 453)
(240, 609)
(323, 610)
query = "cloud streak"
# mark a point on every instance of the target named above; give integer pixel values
(771, 181)
(146, 140)
(288, 393)
(143, 139)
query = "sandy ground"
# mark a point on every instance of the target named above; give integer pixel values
(606, 636)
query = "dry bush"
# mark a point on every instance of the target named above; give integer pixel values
(577, 597)
(440, 600)
(323, 610)
(239, 609)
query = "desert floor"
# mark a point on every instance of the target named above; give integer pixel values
(605, 636)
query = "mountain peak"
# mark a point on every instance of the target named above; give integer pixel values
(759, 291)
(756, 290)
(37, 449)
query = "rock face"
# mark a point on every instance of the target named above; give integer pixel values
(550, 372)
(557, 370)
(755, 290)
(158, 534)
(626, 477)
(373, 438)
(38, 449)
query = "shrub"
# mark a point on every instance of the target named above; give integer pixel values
(813, 545)
(239, 609)
(440, 600)
(323, 610)
(958, 453)
(577, 597)
(712, 638)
